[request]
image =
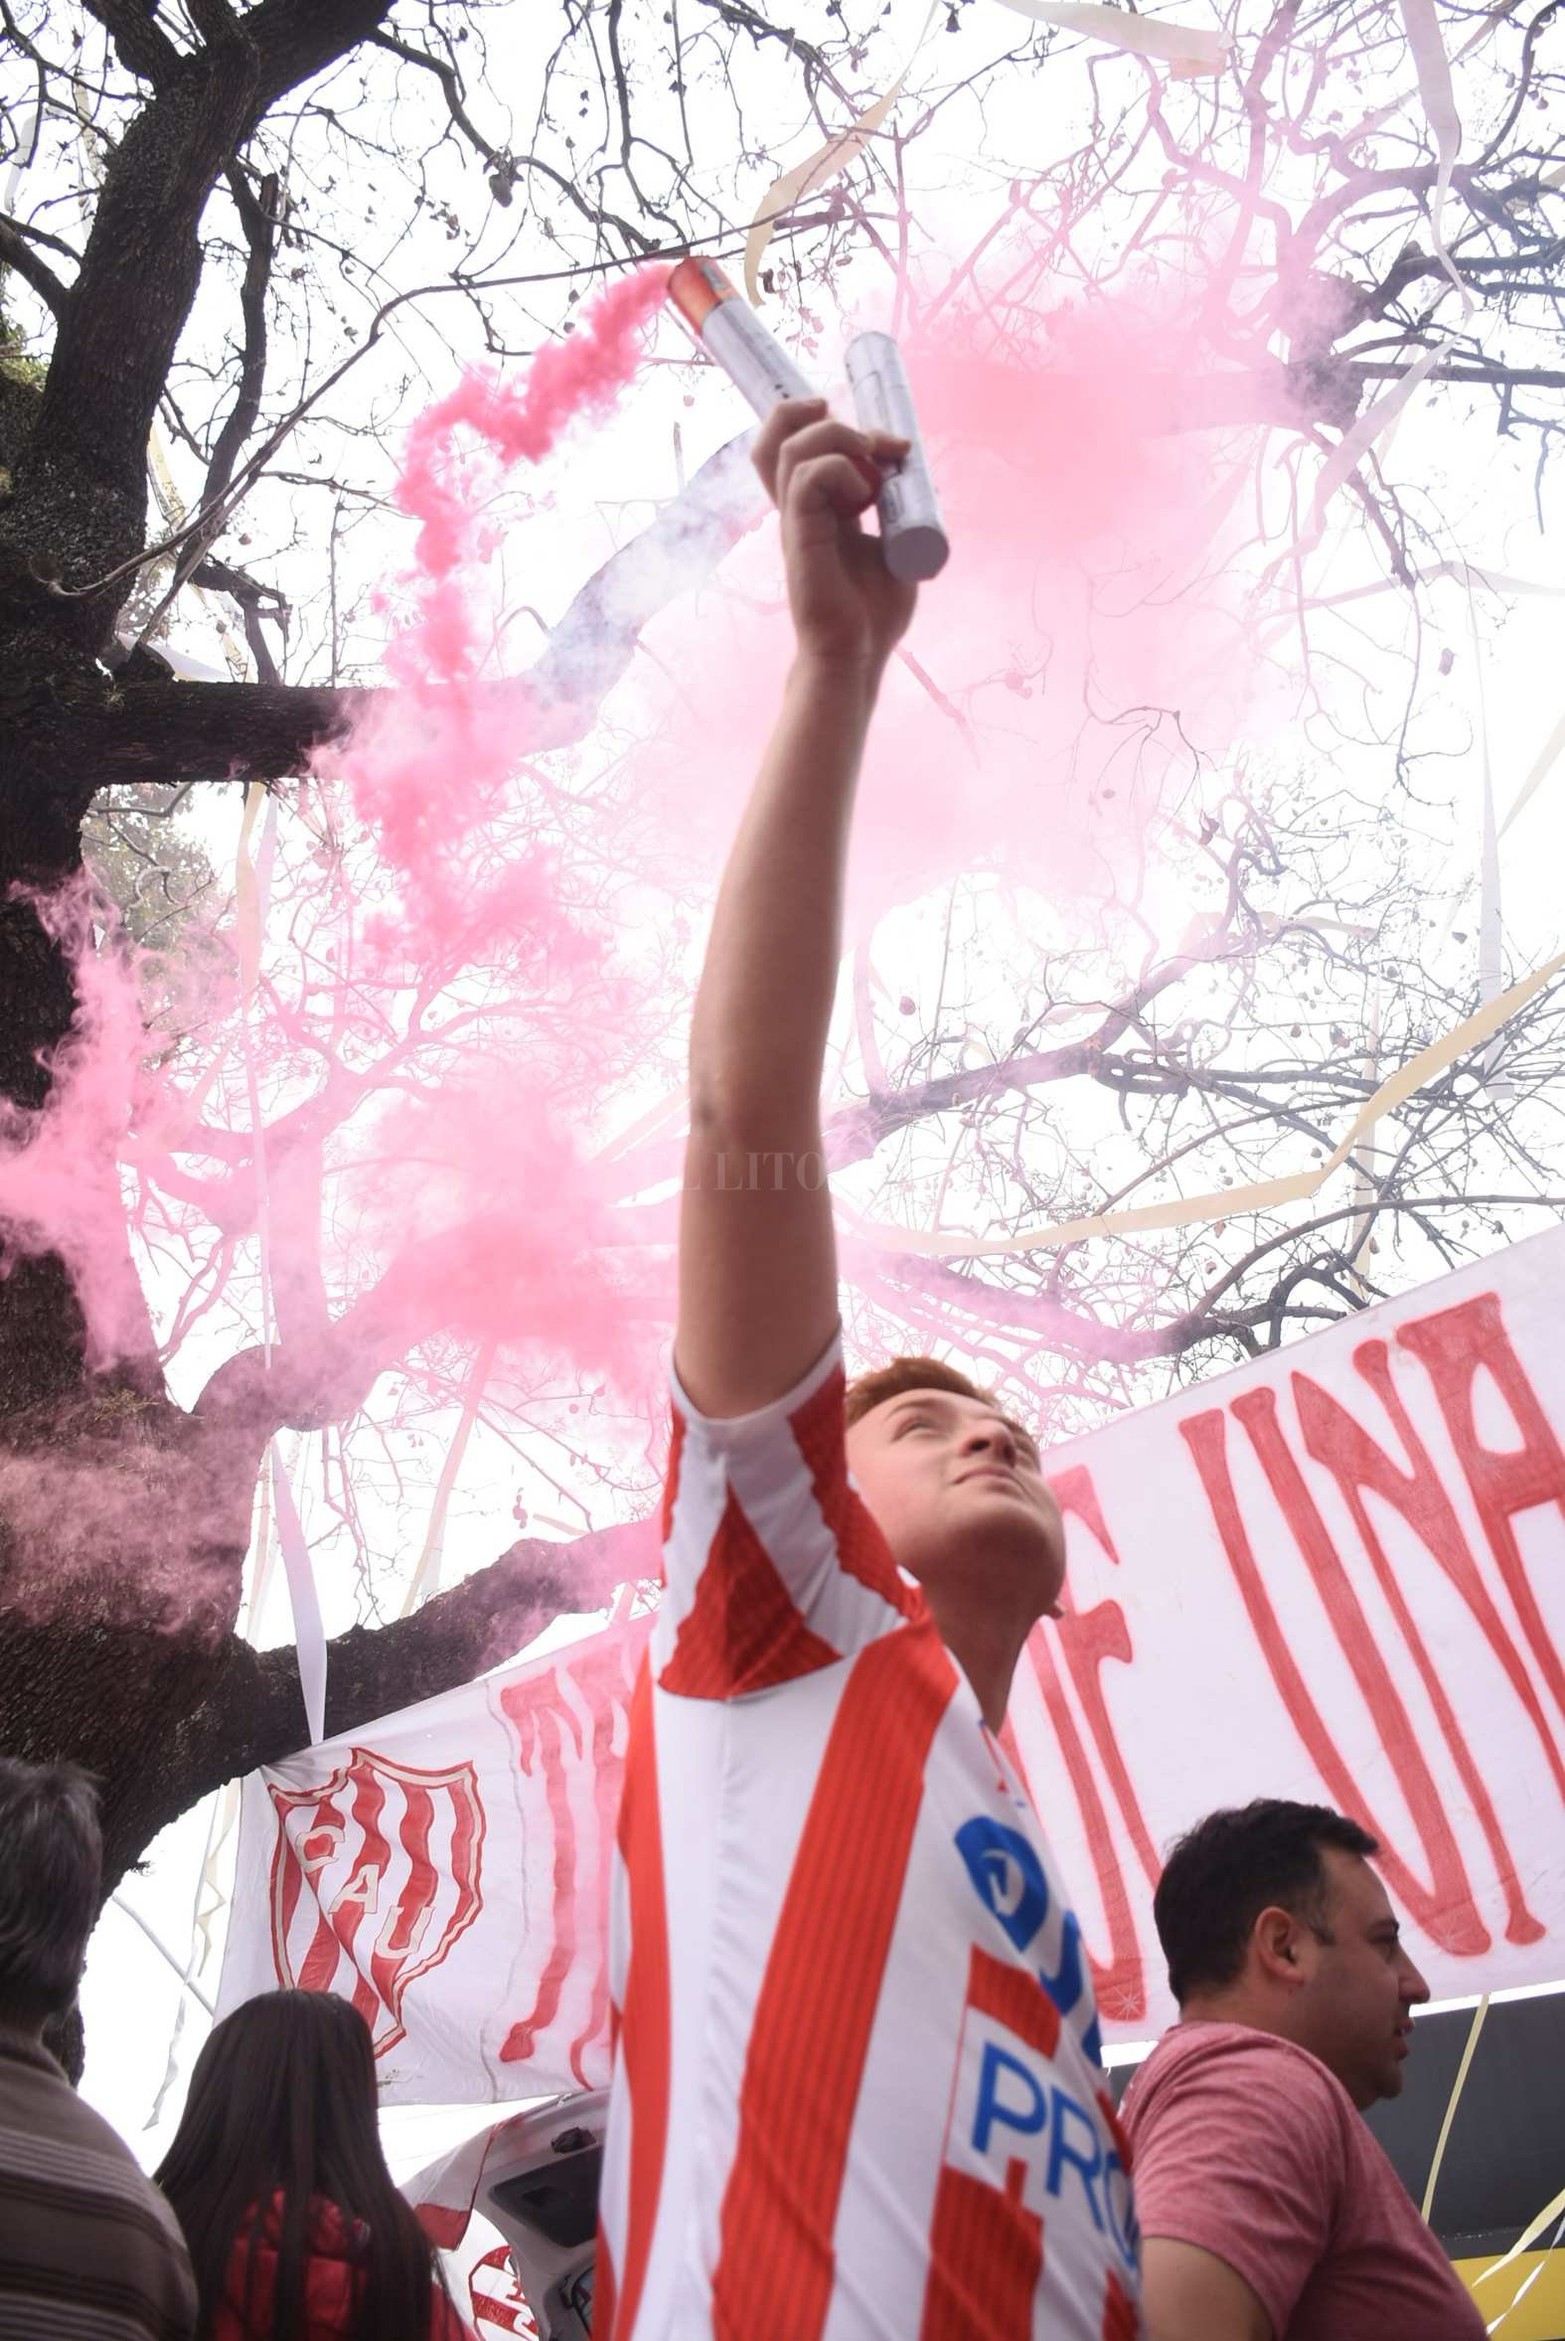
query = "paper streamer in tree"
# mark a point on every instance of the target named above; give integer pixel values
(1224, 1202)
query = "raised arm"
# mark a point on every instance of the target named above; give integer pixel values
(757, 1260)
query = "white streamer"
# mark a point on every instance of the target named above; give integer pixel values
(1189, 48)
(309, 1633)
(252, 893)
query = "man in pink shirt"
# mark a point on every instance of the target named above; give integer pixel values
(1268, 2210)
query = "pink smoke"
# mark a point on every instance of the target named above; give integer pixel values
(522, 420)
(470, 1191)
(475, 1197)
(431, 768)
(1084, 651)
(1078, 651)
(59, 1174)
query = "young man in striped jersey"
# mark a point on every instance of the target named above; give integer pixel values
(856, 2091)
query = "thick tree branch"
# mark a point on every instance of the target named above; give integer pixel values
(144, 49)
(255, 1712)
(181, 732)
(17, 251)
(121, 323)
(254, 601)
(296, 39)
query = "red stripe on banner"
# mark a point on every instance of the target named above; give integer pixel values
(336, 1928)
(644, 2036)
(288, 1880)
(405, 1922)
(467, 1842)
(742, 1632)
(985, 2258)
(319, 1963)
(444, 2223)
(1014, 1998)
(818, 1998)
(862, 1551)
(607, 1777)
(368, 1810)
(287, 1883)
(523, 2038)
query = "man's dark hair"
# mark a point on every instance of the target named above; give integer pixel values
(1230, 1867)
(51, 1862)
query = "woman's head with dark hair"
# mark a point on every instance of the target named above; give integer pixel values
(281, 2122)
(1270, 1916)
(51, 1857)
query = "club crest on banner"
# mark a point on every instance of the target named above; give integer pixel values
(376, 1873)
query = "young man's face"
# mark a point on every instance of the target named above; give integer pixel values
(958, 1494)
(1362, 1989)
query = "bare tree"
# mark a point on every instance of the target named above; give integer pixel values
(253, 238)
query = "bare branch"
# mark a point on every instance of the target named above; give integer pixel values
(17, 251)
(258, 216)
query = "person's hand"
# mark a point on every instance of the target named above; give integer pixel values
(823, 476)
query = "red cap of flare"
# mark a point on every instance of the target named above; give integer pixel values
(696, 288)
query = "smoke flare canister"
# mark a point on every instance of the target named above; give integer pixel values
(912, 533)
(729, 330)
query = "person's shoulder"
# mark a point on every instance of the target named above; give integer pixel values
(36, 2096)
(94, 2135)
(1238, 2062)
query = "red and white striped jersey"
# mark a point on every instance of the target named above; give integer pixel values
(856, 2081)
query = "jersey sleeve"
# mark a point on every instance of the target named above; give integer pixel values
(772, 1565)
(1242, 2154)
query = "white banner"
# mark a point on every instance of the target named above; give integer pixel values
(1337, 1575)
(446, 1869)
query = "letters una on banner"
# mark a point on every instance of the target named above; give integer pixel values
(1338, 1575)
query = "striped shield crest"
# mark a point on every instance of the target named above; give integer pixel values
(376, 1873)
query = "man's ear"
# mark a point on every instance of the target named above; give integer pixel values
(1277, 1941)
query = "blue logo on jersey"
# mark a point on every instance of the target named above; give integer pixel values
(1010, 1881)
(1013, 2097)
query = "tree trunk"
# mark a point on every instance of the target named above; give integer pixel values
(124, 1520)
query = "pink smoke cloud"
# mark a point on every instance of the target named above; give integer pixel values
(577, 376)
(1081, 654)
(59, 1174)
(431, 767)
